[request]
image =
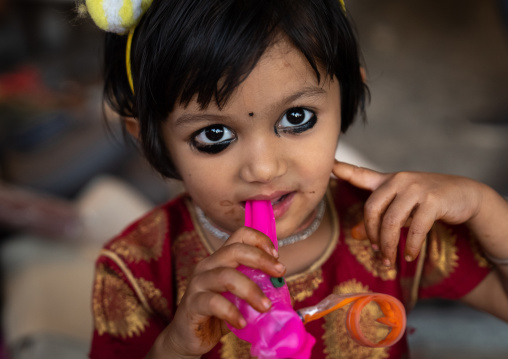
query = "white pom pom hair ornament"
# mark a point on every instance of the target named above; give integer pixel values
(118, 16)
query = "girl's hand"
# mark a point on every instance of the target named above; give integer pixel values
(410, 199)
(199, 321)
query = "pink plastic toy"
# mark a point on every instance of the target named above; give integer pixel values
(280, 332)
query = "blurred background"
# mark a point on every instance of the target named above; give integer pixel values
(438, 74)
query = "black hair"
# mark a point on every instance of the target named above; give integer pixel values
(183, 48)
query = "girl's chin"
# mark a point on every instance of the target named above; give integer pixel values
(287, 227)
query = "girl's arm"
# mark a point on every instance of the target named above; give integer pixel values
(417, 200)
(490, 225)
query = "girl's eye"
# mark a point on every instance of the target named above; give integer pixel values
(212, 139)
(297, 120)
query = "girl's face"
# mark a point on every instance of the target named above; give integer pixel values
(275, 139)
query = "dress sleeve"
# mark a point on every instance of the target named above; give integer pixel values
(128, 312)
(454, 263)
(134, 292)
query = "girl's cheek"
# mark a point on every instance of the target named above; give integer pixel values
(232, 213)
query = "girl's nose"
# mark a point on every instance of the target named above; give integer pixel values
(263, 164)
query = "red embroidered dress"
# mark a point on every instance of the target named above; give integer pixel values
(142, 274)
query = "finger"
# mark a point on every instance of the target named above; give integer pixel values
(360, 177)
(359, 232)
(395, 217)
(236, 254)
(254, 238)
(374, 211)
(213, 304)
(422, 222)
(223, 279)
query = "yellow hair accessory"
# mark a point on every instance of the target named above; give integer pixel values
(118, 16)
(343, 5)
(128, 57)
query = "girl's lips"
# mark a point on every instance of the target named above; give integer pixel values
(281, 206)
(281, 201)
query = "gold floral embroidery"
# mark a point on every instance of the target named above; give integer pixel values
(442, 255)
(364, 254)
(303, 286)
(145, 241)
(478, 253)
(190, 251)
(234, 348)
(338, 344)
(154, 297)
(116, 308)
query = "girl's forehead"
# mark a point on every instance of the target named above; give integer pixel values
(282, 52)
(281, 76)
(280, 62)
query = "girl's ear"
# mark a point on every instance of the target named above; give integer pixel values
(132, 126)
(363, 72)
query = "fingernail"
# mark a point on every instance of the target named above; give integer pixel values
(242, 323)
(375, 247)
(279, 267)
(408, 258)
(386, 262)
(266, 303)
(275, 253)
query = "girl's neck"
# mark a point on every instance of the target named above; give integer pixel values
(299, 256)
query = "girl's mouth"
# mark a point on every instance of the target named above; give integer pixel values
(280, 204)
(280, 199)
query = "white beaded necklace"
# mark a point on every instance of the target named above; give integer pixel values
(297, 237)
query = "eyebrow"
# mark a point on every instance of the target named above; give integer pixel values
(306, 92)
(189, 118)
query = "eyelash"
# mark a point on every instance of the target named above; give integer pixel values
(211, 149)
(298, 129)
(214, 147)
(220, 146)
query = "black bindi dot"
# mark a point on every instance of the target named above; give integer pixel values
(251, 114)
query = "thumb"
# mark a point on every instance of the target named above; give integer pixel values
(360, 177)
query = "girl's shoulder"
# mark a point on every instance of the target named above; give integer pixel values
(160, 219)
(136, 268)
(145, 239)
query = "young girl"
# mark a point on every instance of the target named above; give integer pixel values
(242, 100)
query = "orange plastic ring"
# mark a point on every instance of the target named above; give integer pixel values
(394, 317)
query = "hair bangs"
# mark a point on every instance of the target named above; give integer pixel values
(193, 49)
(210, 53)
